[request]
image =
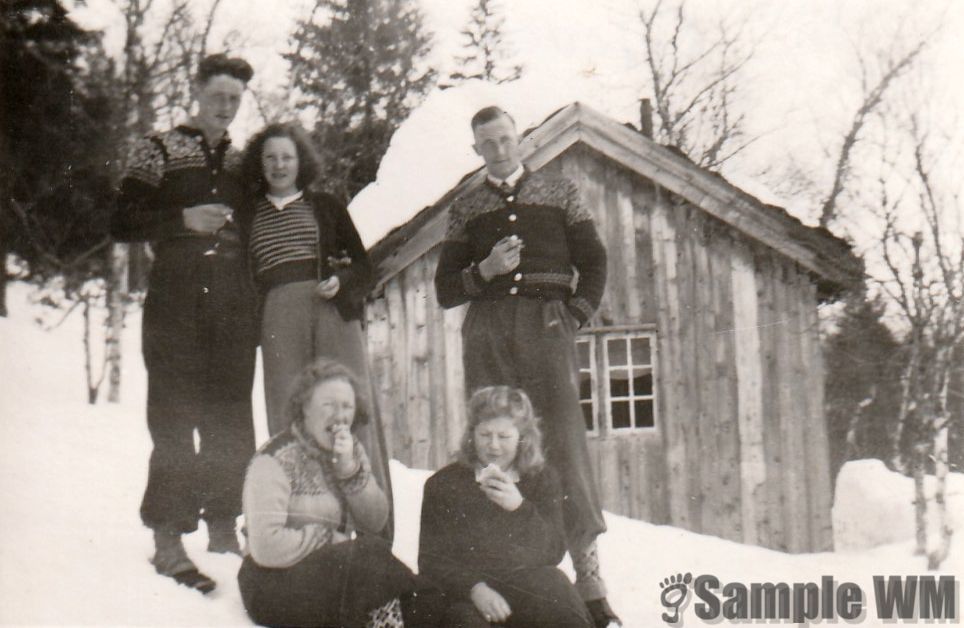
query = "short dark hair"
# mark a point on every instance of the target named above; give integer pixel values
(309, 163)
(488, 114)
(493, 402)
(315, 374)
(216, 64)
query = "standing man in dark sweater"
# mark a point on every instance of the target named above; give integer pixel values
(199, 337)
(510, 250)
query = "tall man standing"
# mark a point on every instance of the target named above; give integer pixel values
(510, 249)
(199, 335)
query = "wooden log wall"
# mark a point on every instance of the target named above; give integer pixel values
(745, 439)
(740, 448)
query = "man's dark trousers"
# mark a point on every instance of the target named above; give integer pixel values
(529, 343)
(199, 342)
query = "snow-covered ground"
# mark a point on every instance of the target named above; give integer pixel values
(73, 551)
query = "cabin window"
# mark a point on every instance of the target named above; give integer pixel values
(616, 380)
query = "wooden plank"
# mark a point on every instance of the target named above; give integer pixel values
(619, 198)
(794, 512)
(707, 421)
(770, 521)
(670, 360)
(689, 371)
(747, 344)
(642, 201)
(626, 469)
(608, 477)
(396, 428)
(725, 386)
(420, 412)
(801, 403)
(818, 447)
(439, 425)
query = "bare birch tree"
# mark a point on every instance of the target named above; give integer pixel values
(695, 82)
(874, 84)
(925, 278)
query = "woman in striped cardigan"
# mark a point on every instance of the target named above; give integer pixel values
(312, 272)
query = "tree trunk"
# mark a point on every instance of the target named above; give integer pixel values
(92, 388)
(935, 558)
(116, 300)
(920, 500)
(908, 379)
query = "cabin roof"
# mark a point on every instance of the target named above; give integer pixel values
(828, 258)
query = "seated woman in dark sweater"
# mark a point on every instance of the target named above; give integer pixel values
(491, 531)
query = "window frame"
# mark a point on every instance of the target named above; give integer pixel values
(601, 398)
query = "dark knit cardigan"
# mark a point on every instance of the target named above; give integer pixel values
(558, 234)
(340, 252)
(466, 538)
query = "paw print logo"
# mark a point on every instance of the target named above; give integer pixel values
(675, 590)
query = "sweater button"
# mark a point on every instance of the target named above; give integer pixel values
(205, 290)
(514, 290)
(512, 217)
(517, 277)
(510, 198)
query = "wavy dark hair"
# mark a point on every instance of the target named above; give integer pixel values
(315, 374)
(309, 163)
(494, 402)
(217, 64)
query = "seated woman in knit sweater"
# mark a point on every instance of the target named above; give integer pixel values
(491, 530)
(304, 491)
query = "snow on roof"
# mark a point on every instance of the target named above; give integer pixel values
(432, 150)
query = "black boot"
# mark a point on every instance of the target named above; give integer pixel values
(602, 614)
(170, 559)
(222, 537)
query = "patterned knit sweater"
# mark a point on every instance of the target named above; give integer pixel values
(294, 501)
(558, 234)
(167, 172)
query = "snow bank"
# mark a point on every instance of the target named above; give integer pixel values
(874, 506)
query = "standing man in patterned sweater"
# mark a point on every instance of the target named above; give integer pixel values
(510, 250)
(199, 336)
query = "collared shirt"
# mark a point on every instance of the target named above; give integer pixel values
(510, 180)
(280, 202)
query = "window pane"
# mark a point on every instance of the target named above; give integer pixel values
(644, 412)
(584, 354)
(620, 411)
(587, 415)
(585, 386)
(619, 383)
(617, 351)
(640, 349)
(642, 382)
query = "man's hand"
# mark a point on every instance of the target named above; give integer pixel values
(490, 603)
(206, 218)
(503, 491)
(328, 288)
(503, 258)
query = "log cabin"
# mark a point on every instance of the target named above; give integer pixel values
(700, 375)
